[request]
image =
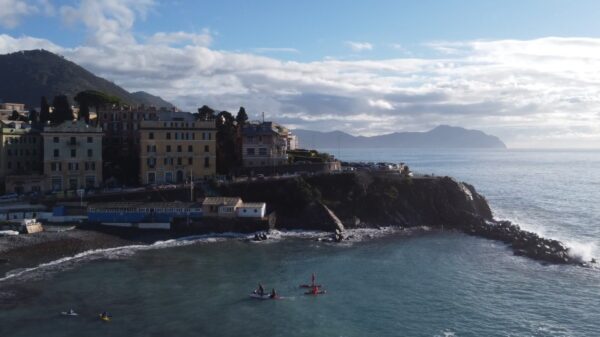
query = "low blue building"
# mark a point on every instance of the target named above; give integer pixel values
(142, 214)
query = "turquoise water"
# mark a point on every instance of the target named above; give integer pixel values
(430, 284)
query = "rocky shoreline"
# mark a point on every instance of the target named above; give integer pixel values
(330, 203)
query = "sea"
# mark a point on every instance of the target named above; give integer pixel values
(383, 283)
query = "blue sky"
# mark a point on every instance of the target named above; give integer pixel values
(523, 70)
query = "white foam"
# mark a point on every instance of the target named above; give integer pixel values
(122, 251)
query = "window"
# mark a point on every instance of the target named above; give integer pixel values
(73, 153)
(178, 148)
(168, 148)
(90, 140)
(151, 177)
(90, 181)
(151, 162)
(72, 183)
(206, 148)
(209, 135)
(73, 141)
(169, 177)
(168, 135)
(190, 160)
(9, 165)
(178, 161)
(262, 151)
(190, 148)
(250, 151)
(56, 153)
(9, 152)
(56, 183)
(55, 139)
(90, 153)
(176, 135)
(93, 166)
(203, 135)
(151, 135)
(193, 135)
(206, 162)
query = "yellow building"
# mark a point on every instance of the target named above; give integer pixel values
(72, 156)
(20, 149)
(175, 146)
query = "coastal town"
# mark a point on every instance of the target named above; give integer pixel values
(102, 162)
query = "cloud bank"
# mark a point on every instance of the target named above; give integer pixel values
(532, 93)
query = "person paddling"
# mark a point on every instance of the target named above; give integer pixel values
(273, 294)
(261, 290)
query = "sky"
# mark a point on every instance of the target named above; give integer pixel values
(526, 71)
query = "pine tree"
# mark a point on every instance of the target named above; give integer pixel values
(241, 117)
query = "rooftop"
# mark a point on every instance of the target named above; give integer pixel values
(221, 201)
(141, 204)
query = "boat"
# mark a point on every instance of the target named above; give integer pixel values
(66, 313)
(104, 318)
(320, 292)
(266, 296)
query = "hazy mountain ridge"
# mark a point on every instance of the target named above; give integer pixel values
(443, 136)
(29, 75)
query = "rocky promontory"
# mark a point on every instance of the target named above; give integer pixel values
(368, 199)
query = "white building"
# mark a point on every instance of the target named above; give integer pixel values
(251, 210)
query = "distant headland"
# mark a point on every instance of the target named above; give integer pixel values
(443, 136)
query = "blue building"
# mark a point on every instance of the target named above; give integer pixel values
(135, 213)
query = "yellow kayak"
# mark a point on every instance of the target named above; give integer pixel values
(105, 318)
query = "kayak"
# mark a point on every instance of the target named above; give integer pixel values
(310, 286)
(65, 313)
(320, 292)
(106, 319)
(263, 297)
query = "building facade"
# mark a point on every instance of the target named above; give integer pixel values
(6, 110)
(264, 144)
(177, 147)
(72, 156)
(20, 149)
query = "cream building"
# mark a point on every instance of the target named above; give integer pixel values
(175, 146)
(72, 156)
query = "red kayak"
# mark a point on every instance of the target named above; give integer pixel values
(320, 292)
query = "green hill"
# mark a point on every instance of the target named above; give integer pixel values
(29, 75)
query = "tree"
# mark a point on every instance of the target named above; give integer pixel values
(62, 110)
(205, 112)
(44, 111)
(241, 117)
(93, 98)
(34, 117)
(84, 112)
(226, 142)
(14, 116)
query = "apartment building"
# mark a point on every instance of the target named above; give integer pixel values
(264, 144)
(175, 147)
(72, 156)
(20, 149)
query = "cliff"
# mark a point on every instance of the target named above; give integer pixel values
(375, 199)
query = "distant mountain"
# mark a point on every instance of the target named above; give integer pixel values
(29, 75)
(443, 136)
(149, 99)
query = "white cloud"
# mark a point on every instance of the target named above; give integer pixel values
(12, 11)
(381, 104)
(359, 46)
(266, 50)
(175, 38)
(528, 92)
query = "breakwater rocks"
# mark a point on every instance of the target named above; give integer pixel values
(370, 200)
